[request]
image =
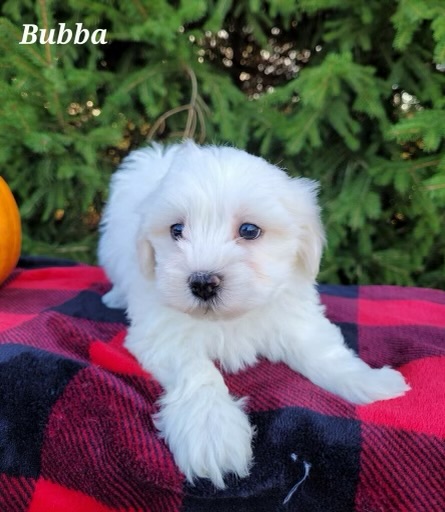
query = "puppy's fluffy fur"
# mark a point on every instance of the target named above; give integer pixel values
(266, 303)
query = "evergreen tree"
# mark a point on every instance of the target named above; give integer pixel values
(348, 92)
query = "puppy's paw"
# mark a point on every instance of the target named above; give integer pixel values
(209, 435)
(114, 299)
(372, 385)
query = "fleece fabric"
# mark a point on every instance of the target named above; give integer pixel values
(76, 433)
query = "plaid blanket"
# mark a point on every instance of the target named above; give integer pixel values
(76, 433)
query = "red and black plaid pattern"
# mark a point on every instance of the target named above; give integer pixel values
(76, 433)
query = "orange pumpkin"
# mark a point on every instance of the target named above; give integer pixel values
(10, 231)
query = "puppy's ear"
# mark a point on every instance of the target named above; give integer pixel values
(146, 257)
(312, 237)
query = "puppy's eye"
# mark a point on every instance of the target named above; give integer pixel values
(249, 231)
(176, 231)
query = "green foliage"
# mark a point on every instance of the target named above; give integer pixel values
(348, 92)
(427, 126)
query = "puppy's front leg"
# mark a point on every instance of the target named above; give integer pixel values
(315, 348)
(205, 428)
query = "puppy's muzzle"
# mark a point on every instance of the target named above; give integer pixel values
(204, 285)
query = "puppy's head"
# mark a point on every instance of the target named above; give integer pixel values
(225, 232)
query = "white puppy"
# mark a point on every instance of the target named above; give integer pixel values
(214, 253)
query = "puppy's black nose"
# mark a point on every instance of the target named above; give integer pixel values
(204, 285)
